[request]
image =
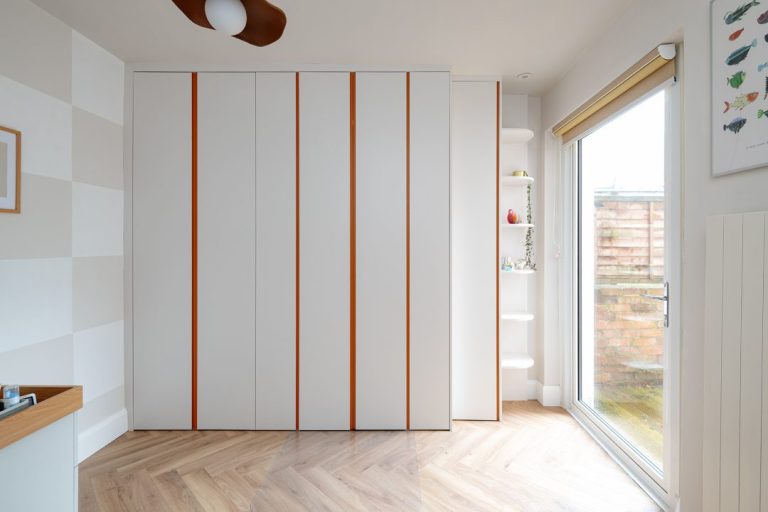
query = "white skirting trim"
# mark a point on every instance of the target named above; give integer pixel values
(101, 434)
(548, 396)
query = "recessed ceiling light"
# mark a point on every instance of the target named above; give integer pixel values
(524, 76)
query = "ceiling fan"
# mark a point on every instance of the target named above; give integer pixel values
(257, 22)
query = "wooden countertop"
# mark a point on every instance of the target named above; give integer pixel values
(53, 403)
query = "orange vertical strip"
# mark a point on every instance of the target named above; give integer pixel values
(298, 252)
(194, 251)
(352, 251)
(408, 251)
(498, 165)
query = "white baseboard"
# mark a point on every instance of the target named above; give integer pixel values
(548, 396)
(101, 434)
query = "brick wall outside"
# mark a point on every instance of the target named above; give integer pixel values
(629, 330)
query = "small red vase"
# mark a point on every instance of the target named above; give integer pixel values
(512, 217)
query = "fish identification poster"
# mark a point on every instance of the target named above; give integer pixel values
(739, 85)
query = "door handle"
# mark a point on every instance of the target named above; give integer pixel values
(665, 299)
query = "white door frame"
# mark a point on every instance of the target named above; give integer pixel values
(664, 489)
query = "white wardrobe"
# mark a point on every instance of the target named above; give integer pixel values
(475, 126)
(291, 259)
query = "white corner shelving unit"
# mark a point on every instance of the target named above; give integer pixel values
(516, 361)
(516, 135)
(516, 181)
(515, 312)
(521, 272)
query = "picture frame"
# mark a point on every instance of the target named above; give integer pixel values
(10, 170)
(739, 85)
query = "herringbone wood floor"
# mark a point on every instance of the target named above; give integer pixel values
(535, 460)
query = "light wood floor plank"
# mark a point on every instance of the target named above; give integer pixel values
(178, 497)
(534, 460)
(211, 496)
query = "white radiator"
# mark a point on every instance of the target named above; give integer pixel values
(736, 365)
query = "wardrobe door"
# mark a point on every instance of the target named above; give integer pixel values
(381, 251)
(226, 248)
(430, 250)
(162, 238)
(324, 184)
(276, 251)
(473, 250)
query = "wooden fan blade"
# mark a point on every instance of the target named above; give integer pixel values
(195, 11)
(266, 23)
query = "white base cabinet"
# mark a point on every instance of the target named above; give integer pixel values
(39, 472)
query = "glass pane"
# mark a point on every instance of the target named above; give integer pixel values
(621, 261)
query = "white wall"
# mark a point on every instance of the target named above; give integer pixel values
(646, 24)
(61, 259)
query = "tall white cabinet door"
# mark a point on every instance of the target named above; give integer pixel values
(324, 182)
(276, 251)
(162, 240)
(226, 249)
(473, 250)
(430, 251)
(381, 251)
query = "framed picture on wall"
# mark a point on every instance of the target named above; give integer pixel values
(739, 53)
(10, 170)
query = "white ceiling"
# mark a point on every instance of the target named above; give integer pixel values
(486, 37)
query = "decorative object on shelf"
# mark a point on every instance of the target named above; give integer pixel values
(520, 173)
(512, 217)
(522, 265)
(529, 234)
(738, 78)
(256, 22)
(507, 263)
(10, 170)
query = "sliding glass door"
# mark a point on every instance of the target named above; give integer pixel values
(623, 280)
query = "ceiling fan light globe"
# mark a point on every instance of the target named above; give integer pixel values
(226, 16)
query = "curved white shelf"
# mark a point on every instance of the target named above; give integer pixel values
(517, 181)
(515, 135)
(518, 317)
(520, 272)
(508, 225)
(516, 360)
